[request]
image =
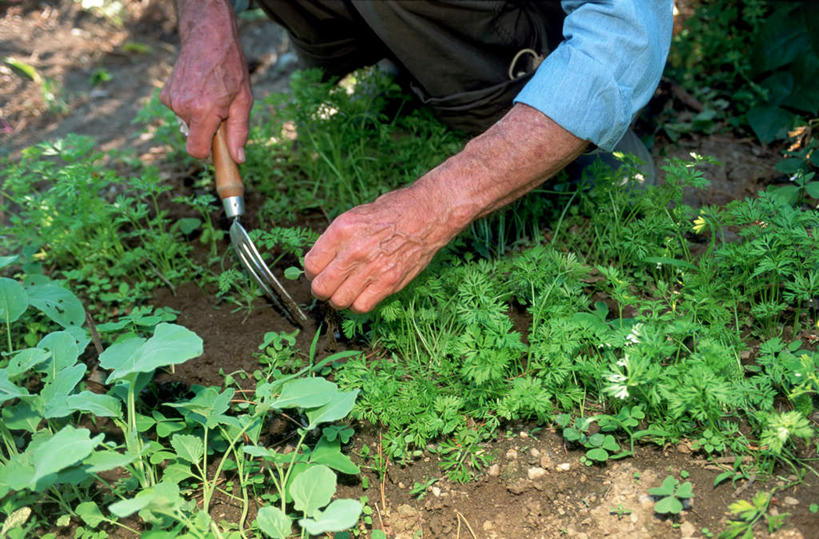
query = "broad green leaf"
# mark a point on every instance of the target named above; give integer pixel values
(120, 352)
(686, 490)
(188, 446)
(208, 406)
(779, 41)
(666, 489)
(305, 393)
(8, 260)
(329, 453)
(668, 505)
(95, 403)
(340, 405)
(57, 303)
(8, 390)
(596, 440)
(598, 454)
(13, 300)
(769, 122)
(339, 515)
(812, 189)
(55, 393)
(102, 461)
(63, 347)
(163, 496)
(274, 523)
(90, 513)
(610, 444)
(177, 472)
(313, 489)
(21, 416)
(24, 360)
(171, 344)
(47, 456)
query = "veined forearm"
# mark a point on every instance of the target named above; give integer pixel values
(511, 158)
(206, 19)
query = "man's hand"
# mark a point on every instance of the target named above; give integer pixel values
(210, 82)
(375, 249)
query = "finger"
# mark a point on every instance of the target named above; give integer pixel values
(200, 138)
(328, 281)
(350, 289)
(319, 257)
(368, 299)
(237, 125)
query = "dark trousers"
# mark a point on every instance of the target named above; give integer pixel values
(459, 56)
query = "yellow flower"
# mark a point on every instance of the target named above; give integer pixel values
(699, 224)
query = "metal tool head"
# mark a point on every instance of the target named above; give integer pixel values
(254, 264)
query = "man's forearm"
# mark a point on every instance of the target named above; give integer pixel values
(205, 19)
(514, 156)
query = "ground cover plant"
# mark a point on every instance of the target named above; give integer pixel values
(618, 315)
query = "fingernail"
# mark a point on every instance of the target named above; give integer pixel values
(241, 155)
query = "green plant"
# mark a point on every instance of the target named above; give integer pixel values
(620, 511)
(745, 515)
(671, 495)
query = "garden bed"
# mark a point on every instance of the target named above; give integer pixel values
(480, 412)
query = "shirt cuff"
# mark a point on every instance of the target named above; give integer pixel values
(580, 95)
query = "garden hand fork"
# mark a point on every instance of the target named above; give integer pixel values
(231, 191)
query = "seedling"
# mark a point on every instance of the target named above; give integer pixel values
(620, 511)
(672, 496)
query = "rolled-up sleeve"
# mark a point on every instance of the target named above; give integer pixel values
(606, 68)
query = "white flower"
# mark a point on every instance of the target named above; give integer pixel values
(634, 336)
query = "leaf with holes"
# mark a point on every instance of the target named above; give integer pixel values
(57, 303)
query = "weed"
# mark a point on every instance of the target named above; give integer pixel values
(745, 515)
(671, 496)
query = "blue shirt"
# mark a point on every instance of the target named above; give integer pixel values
(606, 68)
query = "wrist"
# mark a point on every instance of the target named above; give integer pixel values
(206, 20)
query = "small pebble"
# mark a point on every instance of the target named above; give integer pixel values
(524, 434)
(401, 484)
(535, 472)
(511, 454)
(436, 491)
(790, 500)
(493, 471)
(564, 466)
(534, 452)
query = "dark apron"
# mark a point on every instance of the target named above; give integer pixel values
(457, 55)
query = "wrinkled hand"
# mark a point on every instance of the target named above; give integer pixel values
(210, 82)
(376, 249)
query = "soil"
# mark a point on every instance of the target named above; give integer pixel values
(536, 487)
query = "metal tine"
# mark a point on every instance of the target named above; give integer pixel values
(253, 261)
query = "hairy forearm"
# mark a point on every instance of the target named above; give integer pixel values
(514, 156)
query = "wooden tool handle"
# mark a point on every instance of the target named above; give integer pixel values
(228, 180)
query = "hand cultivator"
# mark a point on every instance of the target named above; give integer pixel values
(231, 191)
